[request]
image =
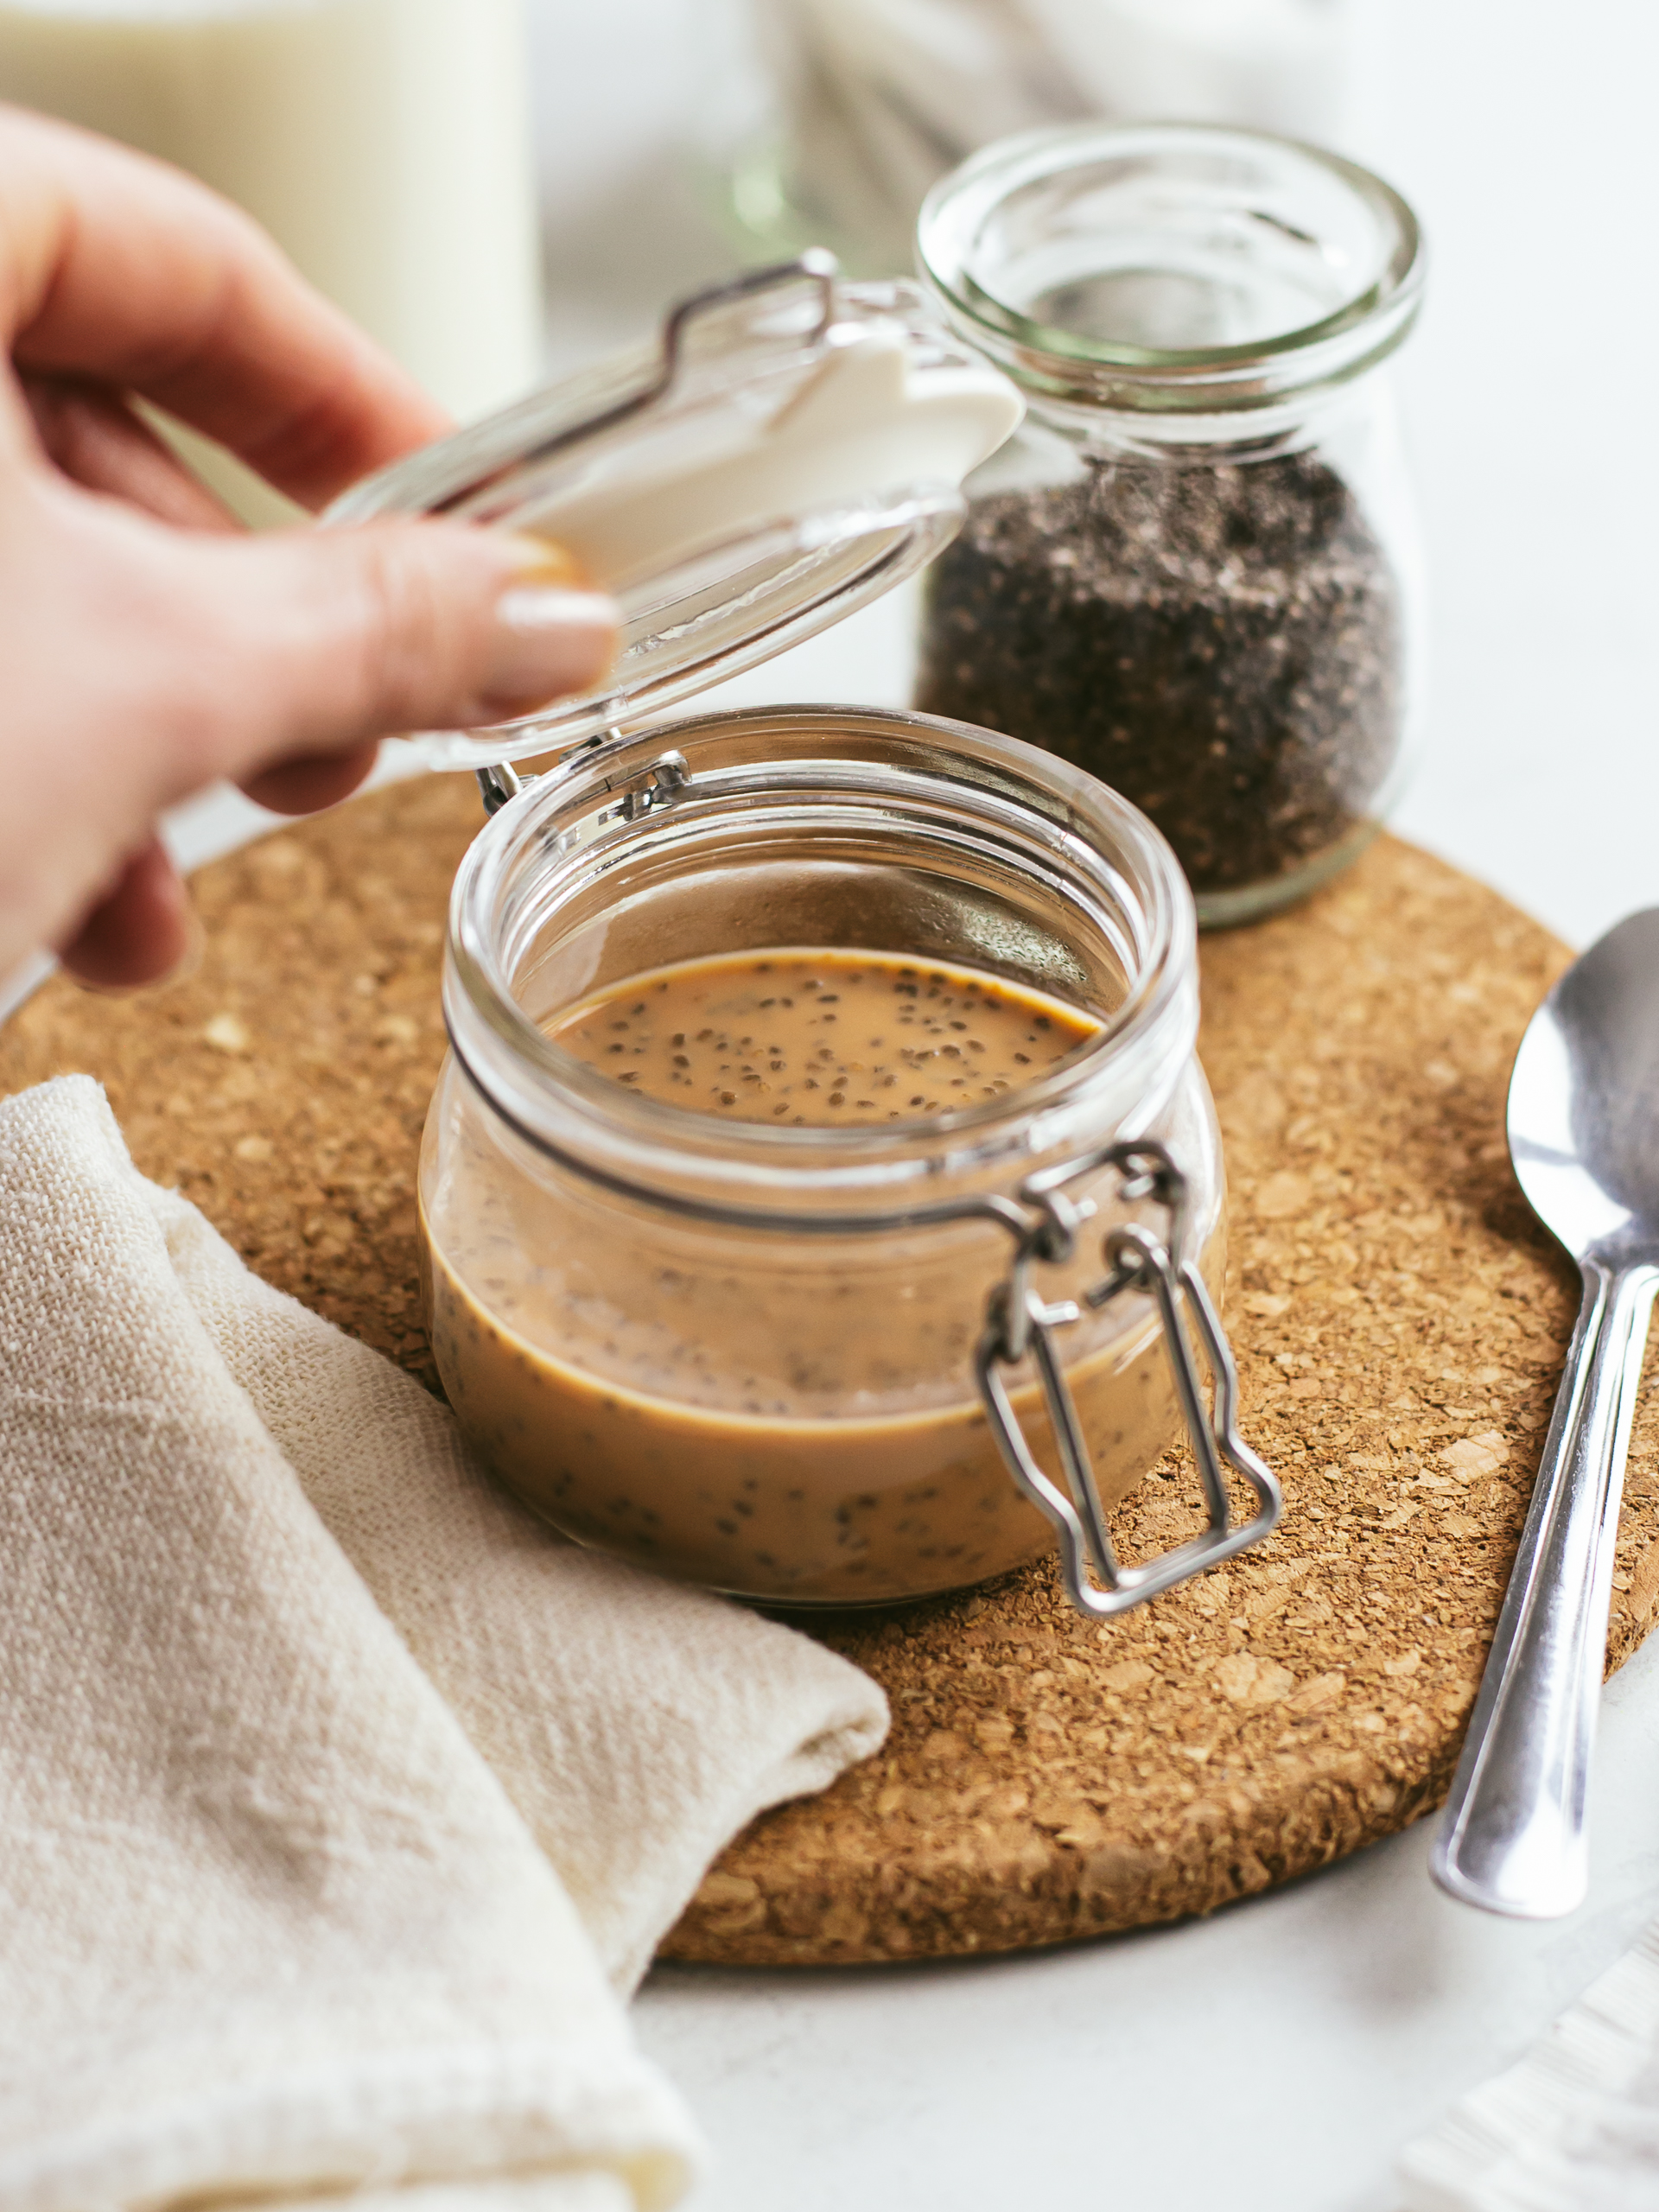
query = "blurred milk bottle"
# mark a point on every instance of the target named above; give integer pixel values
(872, 100)
(385, 144)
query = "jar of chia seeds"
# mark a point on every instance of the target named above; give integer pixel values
(822, 1145)
(1194, 571)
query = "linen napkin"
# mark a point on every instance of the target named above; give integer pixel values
(1573, 2127)
(289, 1697)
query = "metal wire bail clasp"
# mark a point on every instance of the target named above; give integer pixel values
(1020, 1322)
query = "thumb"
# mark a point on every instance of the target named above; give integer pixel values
(322, 641)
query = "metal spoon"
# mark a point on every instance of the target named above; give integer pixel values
(1584, 1135)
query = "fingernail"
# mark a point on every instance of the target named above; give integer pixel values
(549, 641)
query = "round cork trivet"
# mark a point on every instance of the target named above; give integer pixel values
(1399, 1319)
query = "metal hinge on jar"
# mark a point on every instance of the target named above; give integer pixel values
(1020, 1322)
(667, 776)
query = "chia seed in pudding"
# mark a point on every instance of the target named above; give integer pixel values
(1222, 645)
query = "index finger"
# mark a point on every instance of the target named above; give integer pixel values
(116, 267)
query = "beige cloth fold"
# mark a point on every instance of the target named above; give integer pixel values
(273, 1917)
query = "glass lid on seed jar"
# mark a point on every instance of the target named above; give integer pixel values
(792, 448)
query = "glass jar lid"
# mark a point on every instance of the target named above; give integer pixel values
(1171, 269)
(793, 448)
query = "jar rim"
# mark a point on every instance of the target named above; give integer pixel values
(1353, 335)
(731, 1169)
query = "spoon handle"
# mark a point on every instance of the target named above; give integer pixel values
(1513, 1839)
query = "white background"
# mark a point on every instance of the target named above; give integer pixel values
(1273, 2058)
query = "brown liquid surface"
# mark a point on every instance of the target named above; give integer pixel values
(820, 1040)
(747, 1412)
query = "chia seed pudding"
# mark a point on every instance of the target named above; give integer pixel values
(640, 1401)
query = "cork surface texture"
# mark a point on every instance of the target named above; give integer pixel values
(1399, 1319)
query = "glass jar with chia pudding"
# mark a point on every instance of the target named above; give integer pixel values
(760, 1059)
(1194, 571)
(822, 1200)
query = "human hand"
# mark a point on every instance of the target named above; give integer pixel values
(149, 647)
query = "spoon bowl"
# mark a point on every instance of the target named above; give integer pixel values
(1584, 1098)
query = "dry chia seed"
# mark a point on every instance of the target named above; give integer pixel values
(1220, 645)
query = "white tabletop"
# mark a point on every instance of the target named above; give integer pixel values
(1277, 2054)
